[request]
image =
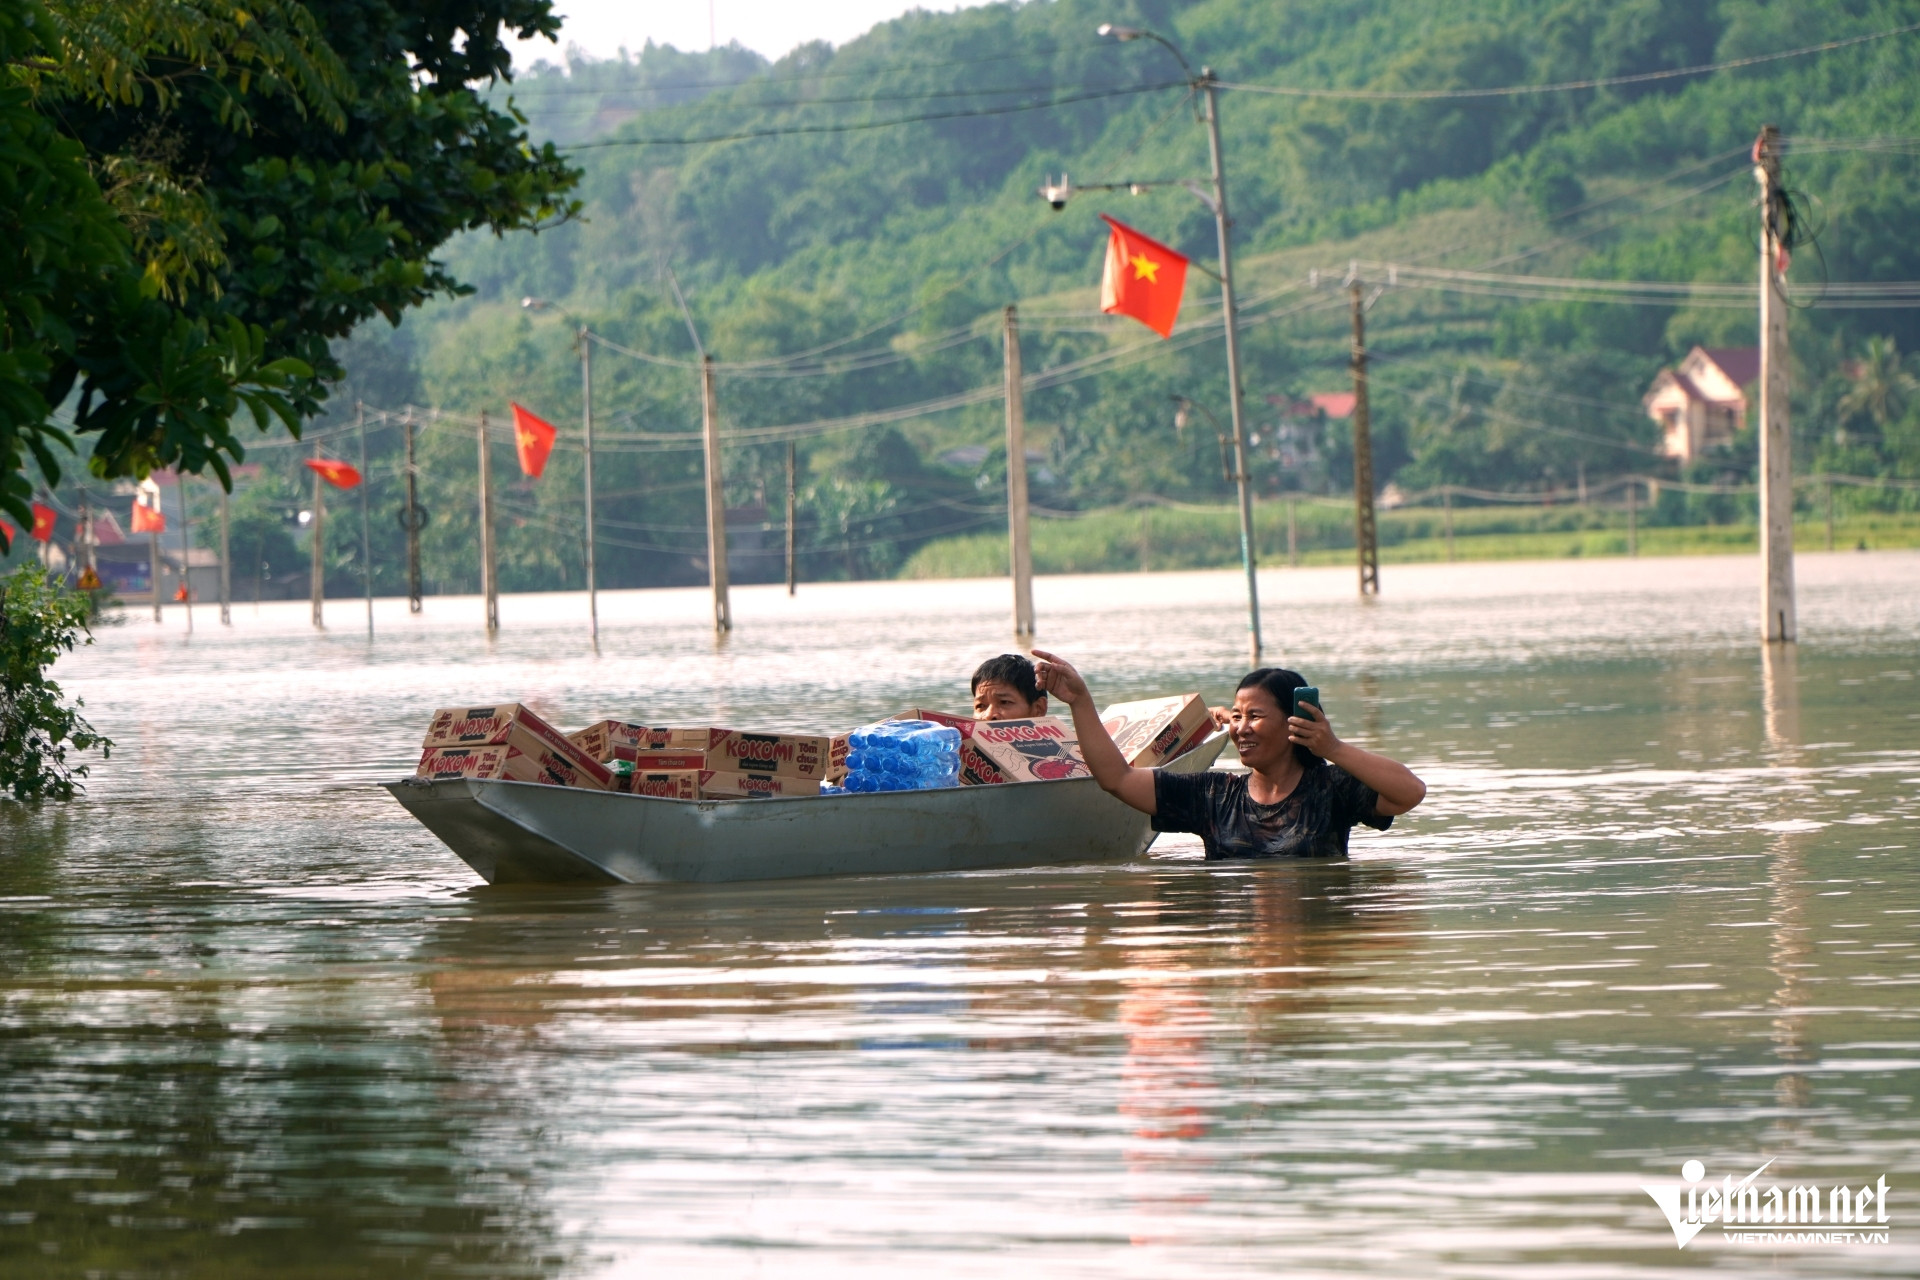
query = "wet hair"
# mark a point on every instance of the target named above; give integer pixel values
(1279, 683)
(1011, 670)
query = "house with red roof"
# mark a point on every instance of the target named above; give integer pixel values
(1701, 403)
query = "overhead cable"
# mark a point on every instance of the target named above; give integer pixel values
(1564, 86)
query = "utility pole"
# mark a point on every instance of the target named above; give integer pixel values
(716, 501)
(318, 573)
(1828, 486)
(1778, 623)
(1223, 224)
(186, 551)
(1293, 533)
(1365, 535)
(792, 583)
(586, 439)
(1446, 503)
(1633, 515)
(226, 577)
(489, 570)
(366, 526)
(413, 523)
(1019, 535)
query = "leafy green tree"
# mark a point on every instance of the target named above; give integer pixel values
(39, 621)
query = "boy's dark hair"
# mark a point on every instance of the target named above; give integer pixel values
(1010, 669)
(1279, 683)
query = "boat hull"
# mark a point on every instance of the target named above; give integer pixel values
(527, 833)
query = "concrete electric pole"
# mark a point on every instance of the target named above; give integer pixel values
(1776, 438)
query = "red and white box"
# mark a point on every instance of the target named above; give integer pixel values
(1155, 730)
(994, 751)
(791, 755)
(511, 724)
(670, 784)
(518, 760)
(728, 784)
(609, 740)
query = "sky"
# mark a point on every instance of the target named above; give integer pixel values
(772, 27)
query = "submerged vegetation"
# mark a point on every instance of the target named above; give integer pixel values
(40, 620)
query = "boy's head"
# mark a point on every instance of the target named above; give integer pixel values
(1004, 689)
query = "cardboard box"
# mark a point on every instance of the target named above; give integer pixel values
(1038, 750)
(520, 759)
(1155, 730)
(726, 783)
(608, 740)
(790, 755)
(511, 724)
(994, 751)
(673, 784)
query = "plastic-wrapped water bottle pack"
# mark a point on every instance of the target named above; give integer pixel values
(902, 755)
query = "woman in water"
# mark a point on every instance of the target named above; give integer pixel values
(1303, 792)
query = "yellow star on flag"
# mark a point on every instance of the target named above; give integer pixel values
(1144, 268)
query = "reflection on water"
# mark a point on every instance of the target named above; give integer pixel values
(1661, 905)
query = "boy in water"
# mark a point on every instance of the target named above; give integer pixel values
(1004, 688)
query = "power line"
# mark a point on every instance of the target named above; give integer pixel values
(1643, 77)
(854, 127)
(933, 95)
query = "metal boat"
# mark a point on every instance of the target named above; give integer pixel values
(528, 833)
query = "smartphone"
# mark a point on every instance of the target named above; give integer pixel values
(1305, 693)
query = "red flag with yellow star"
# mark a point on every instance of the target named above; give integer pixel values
(1144, 279)
(533, 436)
(341, 475)
(43, 518)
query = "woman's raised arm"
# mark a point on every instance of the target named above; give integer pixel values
(1056, 676)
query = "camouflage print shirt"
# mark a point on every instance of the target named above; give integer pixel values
(1313, 822)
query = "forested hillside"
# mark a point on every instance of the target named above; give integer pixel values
(847, 225)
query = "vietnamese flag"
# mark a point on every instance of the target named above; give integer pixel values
(533, 436)
(1144, 279)
(43, 518)
(338, 474)
(148, 519)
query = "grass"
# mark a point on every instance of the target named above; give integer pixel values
(1162, 538)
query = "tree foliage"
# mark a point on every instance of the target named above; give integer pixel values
(39, 621)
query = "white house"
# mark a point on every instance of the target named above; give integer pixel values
(1701, 403)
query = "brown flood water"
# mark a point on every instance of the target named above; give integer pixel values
(1663, 904)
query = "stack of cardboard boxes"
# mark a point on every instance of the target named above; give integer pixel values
(689, 764)
(509, 741)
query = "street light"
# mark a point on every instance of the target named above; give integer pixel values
(1214, 196)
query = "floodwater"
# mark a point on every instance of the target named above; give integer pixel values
(1661, 904)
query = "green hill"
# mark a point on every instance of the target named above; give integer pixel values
(875, 204)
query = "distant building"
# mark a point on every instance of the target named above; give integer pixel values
(1701, 403)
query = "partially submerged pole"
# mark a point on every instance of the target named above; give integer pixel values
(186, 551)
(489, 576)
(366, 525)
(1633, 515)
(1778, 623)
(1223, 224)
(716, 501)
(1019, 544)
(318, 528)
(226, 576)
(792, 582)
(413, 523)
(1365, 533)
(586, 441)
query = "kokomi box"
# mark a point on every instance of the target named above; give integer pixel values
(992, 751)
(791, 755)
(520, 759)
(608, 740)
(1155, 730)
(1039, 750)
(727, 783)
(672, 784)
(512, 724)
